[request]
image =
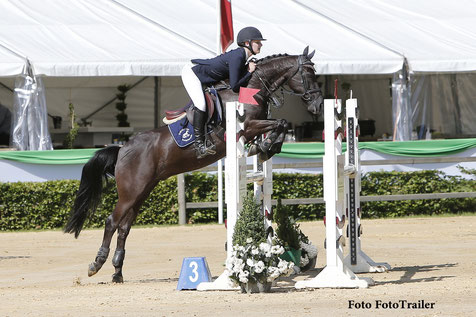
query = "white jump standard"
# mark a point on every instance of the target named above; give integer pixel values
(341, 194)
(356, 260)
(236, 179)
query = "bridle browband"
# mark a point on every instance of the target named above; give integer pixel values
(306, 95)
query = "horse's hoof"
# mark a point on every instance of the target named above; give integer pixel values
(117, 278)
(253, 150)
(92, 269)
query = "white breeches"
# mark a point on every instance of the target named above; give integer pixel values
(193, 86)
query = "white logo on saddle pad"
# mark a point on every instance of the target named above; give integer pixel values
(185, 134)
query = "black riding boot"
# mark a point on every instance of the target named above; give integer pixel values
(203, 146)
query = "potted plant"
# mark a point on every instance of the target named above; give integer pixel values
(254, 263)
(121, 105)
(297, 245)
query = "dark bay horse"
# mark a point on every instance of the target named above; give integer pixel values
(152, 156)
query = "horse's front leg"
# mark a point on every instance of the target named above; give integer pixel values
(254, 128)
(276, 129)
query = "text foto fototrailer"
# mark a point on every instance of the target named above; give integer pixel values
(400, 304)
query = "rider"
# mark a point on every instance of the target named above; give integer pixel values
(205, 72)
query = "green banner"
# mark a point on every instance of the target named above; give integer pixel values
(79, 156)
(304, 150)
(420, 148)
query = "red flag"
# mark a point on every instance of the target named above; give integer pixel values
(226, 25)
(247, 95)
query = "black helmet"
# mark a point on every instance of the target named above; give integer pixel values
(248, 33)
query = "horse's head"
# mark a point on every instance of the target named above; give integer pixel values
(304, 83)
(296, 72)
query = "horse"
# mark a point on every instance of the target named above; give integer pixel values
(152, 156)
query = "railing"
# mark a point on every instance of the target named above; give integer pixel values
(183, 205)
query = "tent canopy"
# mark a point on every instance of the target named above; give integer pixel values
(146, 37)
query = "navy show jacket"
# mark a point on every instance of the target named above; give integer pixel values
(230, 65)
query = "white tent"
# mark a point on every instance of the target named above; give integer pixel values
(76, 44)
(435, 36)
(91, 38)
(155, 38)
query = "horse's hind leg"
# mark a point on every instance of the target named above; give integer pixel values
(120, 253)
(112, 222)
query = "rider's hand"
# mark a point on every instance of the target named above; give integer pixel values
(251, 67)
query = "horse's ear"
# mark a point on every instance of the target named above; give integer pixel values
(306, 50)
(310, 56)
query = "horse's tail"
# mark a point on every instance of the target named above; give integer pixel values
(93, 177)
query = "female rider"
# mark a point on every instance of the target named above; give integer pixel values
(206, 72)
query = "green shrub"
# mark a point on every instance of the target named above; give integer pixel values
(249, 224)
(46, 205)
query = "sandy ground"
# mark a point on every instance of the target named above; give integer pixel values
(45, 273)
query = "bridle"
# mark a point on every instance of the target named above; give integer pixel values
(277, 101)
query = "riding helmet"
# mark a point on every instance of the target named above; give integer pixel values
(248, 33)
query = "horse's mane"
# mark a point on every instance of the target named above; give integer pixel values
(267, 59)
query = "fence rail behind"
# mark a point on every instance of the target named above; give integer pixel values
(302, 201)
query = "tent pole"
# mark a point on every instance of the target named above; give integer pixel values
(454, 92)
(156, 101)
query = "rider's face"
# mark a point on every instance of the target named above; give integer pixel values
(256, 46)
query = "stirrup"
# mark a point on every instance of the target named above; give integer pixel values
(210, 147)
(201, 150)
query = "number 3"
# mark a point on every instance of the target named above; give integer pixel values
(194, 271)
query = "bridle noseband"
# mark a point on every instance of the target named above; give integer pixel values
(306, 95)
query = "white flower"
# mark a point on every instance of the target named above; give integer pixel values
(238, 265)
(255, 251)
(249, 240)
(259, 267)
(229, 263)
(284, 267)
(265, 247)
(243, 276)
(277, 249)
(273, 273)
(250, 262)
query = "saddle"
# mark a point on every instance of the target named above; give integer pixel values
(211, 101)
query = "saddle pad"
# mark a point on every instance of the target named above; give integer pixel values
(182, 132)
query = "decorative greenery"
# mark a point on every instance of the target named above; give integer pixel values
(290, 235)
(253, 259)
(287, 230)
(250, 223)
(121, 105)
(45, 205)
(73, 132)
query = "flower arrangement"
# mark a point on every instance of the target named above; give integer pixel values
(292, 238)
(253, 260)
(257, 264)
